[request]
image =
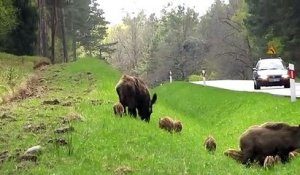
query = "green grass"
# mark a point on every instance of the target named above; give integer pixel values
(14, 69)
(103, 142)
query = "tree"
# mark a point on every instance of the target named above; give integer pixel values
(97, 26)
(42, 29)
(133, 39)
(63, 30)
(238, 39)
(8, 17)
(53, 28)
(176, 45)
(86, 24)
(224, 32)
(46, 27)
(276, 23)
(78, 12)
(151, 47)
(24, 31)
(182, 42)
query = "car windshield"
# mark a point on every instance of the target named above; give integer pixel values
(270, 65)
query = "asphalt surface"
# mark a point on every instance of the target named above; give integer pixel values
(247, 85)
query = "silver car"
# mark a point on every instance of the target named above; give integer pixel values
(271, 72)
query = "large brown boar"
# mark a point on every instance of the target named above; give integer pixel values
(134, 94)
(269, 139)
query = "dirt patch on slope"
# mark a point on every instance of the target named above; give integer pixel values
(32, 87)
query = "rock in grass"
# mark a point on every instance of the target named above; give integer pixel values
(30, 154)
(33, 150)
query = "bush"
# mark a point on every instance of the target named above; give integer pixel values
(212, 76)
(195, 77)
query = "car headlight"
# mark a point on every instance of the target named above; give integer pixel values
(263, 77)
(285, 76)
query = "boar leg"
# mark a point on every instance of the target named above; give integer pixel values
(284, 156)
(248, 157)
(132, 111)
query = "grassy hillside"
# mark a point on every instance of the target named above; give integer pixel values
(104, 144)
(14, 69)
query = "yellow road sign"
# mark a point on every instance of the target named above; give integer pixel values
(271, 51)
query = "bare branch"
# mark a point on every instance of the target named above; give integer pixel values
(232, 24)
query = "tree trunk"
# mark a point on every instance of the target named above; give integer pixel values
(89, 44)
(73, 35)
(42, 38)
(74, 44)
(62, 24)
(44, 31)
(40, 51)
(53, 30)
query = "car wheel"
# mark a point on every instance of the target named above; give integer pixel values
(287, 85)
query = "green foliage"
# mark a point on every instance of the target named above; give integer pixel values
(195, 77)
(229, 45)
(15, 69)
(7, 17)
(133, 43)
(10, 76)
(3, 89)
(241, 13)
(212, 76)
(178, 45)
(183, 42)
(275, 22)
(21, 40)
(85, 20)
(19, 21)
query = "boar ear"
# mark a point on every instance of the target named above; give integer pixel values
(154, 98)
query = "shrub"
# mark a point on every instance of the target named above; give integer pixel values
(195, 77)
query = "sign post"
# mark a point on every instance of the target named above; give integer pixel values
(170, 76)
(292, 75)
(203, 77)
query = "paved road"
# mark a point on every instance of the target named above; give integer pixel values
(247, 85)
